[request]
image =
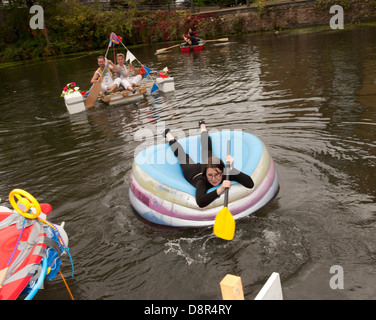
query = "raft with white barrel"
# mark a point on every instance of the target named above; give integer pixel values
(160, 193)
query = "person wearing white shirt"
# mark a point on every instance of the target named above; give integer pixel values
(109, 83)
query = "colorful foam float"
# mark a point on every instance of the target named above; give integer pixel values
(159, 192)
(30, 246)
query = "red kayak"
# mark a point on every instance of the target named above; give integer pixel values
(200, 46)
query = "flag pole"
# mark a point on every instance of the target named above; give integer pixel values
(142, 66)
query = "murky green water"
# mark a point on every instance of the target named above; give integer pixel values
(310, 96)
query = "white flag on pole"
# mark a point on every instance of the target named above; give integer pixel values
(130, 56)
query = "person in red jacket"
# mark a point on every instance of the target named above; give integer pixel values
(190, 39)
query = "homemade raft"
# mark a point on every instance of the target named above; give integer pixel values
(77, 101)
(159, 192)
(123, 96)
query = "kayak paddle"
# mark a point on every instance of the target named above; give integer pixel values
(224, 224)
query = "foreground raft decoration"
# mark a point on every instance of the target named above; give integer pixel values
(71, 88)
(164, 73)
(165, 81)
(30, 247)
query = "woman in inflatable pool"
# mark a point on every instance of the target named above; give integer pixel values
(208, 174)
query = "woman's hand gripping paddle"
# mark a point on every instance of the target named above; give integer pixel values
(224, 224)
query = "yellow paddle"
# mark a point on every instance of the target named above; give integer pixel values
(224, 224)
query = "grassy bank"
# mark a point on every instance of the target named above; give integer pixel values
(71, 27)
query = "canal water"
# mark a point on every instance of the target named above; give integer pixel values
(308, 94)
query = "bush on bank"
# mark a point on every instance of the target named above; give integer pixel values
(71, 27)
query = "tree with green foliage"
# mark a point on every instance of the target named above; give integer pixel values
(73, 27)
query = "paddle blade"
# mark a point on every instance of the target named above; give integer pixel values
(224, 225)
(161, 50)
(93, 95)
(222, 39)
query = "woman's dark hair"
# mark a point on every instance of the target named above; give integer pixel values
(213, 162)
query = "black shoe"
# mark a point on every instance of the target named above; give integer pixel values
(165, 132)
(201, 122)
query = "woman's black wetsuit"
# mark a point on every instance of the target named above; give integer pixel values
(193, 172)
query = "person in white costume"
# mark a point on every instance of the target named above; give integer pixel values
(109, 83)
(124, 73)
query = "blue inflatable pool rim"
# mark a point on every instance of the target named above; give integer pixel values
(160, 163)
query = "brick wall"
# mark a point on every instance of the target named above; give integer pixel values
(284, 14)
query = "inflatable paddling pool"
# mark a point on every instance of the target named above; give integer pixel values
(30, 247)
(159, 192)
